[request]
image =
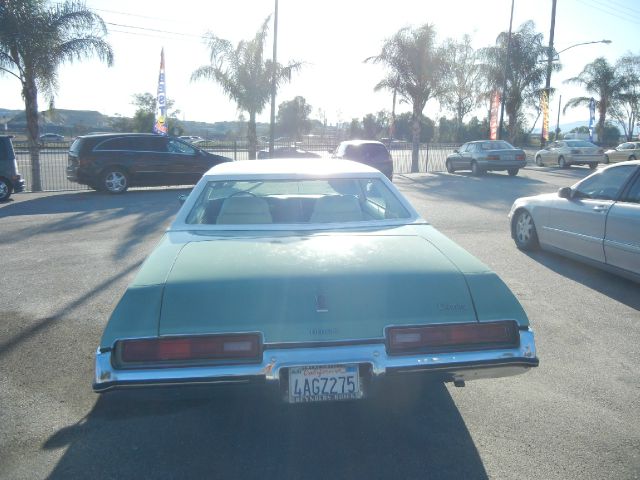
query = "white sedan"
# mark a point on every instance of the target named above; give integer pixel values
(597, 220)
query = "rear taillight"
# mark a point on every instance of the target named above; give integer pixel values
(452, 337)
(493, 157)
(223, 348)
(521, 157)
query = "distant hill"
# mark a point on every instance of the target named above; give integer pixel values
(78, 122)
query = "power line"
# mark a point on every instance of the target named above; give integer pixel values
(617, 4)
(608, 10)
(155, 30)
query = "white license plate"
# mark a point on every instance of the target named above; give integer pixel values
(324, 383)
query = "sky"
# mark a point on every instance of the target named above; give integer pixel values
(332, 38)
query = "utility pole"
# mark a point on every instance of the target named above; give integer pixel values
(547, 86)
(273, 81)
(506, 69)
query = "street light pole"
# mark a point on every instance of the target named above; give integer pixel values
(506, 69)
(273, 82)
(547, 86)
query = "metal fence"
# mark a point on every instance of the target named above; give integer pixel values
(53, 159)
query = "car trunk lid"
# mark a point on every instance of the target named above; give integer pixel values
(312, 288)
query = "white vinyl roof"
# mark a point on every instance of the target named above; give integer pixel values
(294, 167)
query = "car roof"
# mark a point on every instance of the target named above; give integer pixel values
(293, 167)
(127, 134)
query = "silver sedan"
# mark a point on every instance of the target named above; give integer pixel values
(565, 153)
(597, 220)
(623, 152)
(487, 155)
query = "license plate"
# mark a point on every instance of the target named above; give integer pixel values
(324, 383)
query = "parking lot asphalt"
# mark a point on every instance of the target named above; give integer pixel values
(67, 257)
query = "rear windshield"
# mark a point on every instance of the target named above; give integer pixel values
(314, 201)
(374, 152)
(496, 145)
(75, 147)
(579, 143)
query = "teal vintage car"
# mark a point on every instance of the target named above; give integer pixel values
(316, 277)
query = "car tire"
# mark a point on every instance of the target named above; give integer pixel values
(592, 166)
(562, 163)
(539, 161)
(632, 157)
(114, 180)
(476, 171)
(449, 166)
(5, 190)
(606, 159)
(524, 231)
(513, 172)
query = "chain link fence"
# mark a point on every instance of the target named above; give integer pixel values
(53, 158)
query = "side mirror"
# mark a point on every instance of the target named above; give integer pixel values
(182, 198)
(565, 192)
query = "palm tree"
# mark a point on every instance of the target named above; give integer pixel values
(601, 79)
(414, 72)
(525, 72)
(244, 75)
(35, 39)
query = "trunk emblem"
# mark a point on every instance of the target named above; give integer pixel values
(321, 304)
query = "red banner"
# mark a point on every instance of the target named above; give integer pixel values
(493, 116)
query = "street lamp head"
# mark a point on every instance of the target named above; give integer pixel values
(605, 41)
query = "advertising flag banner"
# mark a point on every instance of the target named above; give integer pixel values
(493, 114)
(592, 117)
(161, 102)
(544, 103)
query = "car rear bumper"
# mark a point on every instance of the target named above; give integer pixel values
(18, 185)
(584, 159)
(372, 357)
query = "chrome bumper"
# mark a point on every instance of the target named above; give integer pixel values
(458, 366)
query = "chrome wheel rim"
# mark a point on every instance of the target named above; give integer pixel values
(115, 181)
(524, 228)
(4, 190)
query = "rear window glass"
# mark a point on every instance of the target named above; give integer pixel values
(369, 151)
(6, 149)
(75, 146)
(497, 145)
(579, 143)
(314, 201)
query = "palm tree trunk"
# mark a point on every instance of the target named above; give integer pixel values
(30, 94)
(602, 112)
(415, 151)
(251, 136)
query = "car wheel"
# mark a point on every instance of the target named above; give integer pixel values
(115, 180)
(450, 168)
(5, 189)
(539, 161)
(632, 157)
(524, 231)
(606, 159)
(513, 172)
(592, 166)
(562, 163)
(475, 169)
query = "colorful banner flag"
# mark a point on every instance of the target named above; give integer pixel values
(544, 103)
(493, 116)
(161, 102)
(592, 117)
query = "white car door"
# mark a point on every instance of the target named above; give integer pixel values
(577, 224)
(622, 238)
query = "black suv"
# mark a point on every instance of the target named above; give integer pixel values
(10, 179)
(369, 152)
(114, 162)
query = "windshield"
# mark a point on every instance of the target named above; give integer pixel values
(579, 143)
(333, 200)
